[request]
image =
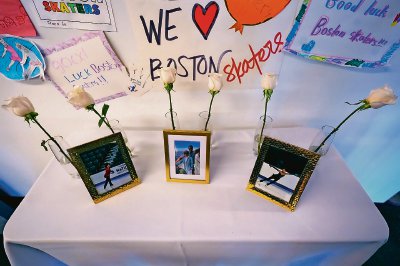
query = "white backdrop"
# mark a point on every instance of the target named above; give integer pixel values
(309, 94)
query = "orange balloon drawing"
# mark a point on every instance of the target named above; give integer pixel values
(253, 12)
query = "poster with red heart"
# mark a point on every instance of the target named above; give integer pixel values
(240, 39)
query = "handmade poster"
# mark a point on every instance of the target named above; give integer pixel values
(14, 19)
(20, 59)
(240, 39)
(90, 62)
(354, 33)
(76, 14)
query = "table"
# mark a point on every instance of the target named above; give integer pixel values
(160, 223)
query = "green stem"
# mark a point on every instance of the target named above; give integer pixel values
(361, 107)
(209, 109)
(263, 125)
(170, 109)
(105, 118)
(51, 138)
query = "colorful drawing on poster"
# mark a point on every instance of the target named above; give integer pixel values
(20, 59)
(395, 20)
(354, 62)
(76, 14)
(349, 33)
(88, 61)
(307, 47)
(205, 17)
(140, 80)
(14, 20)
(255, 12)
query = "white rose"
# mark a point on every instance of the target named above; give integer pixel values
(79, 97)
(168, 75)
(215, 82)
(269, 81)
(20, 106)
(381, 97)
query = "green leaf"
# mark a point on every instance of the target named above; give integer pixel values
(105, 109)
(101, 121)
(43, 144)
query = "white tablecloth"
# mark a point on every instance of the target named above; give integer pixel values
(160, 223)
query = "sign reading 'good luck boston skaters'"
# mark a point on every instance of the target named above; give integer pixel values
(355, 33)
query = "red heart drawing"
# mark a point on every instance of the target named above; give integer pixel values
(204, 18)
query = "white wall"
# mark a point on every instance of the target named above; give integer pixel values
(309, 94)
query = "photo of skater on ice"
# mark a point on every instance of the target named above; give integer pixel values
(281, 172)
(105, 166)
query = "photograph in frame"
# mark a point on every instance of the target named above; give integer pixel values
(105, 166)
(281, 172)
(187, 156)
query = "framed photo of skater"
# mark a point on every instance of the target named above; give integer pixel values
(105, 166)
(187, 156)
(281, 172)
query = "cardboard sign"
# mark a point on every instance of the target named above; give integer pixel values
(90, 62)
(240, 39)
(77, 14)
(355, 33)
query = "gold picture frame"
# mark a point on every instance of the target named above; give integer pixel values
(105, 166)
(184, 152)
(285, 169)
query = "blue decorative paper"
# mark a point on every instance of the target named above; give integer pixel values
(20, 59)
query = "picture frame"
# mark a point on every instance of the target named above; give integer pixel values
(105, 166)
(281, 172)
(184, 152)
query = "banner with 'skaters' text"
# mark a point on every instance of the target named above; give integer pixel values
(240, 39)
(77, 14)
(355, 33)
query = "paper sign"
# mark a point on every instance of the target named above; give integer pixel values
(240, 39)
(77, 14)
(14, 20)
(20, 59)
(90, 62)
(355, 33)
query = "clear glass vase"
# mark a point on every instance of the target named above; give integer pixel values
(257, 133)
(65, 163)
(320, 137)
(117, 127)
(168, 122)
(203, 116)
(203, 120)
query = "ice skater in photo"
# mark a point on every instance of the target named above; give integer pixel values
(274, 177)
(276, 181)
(107, 176)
